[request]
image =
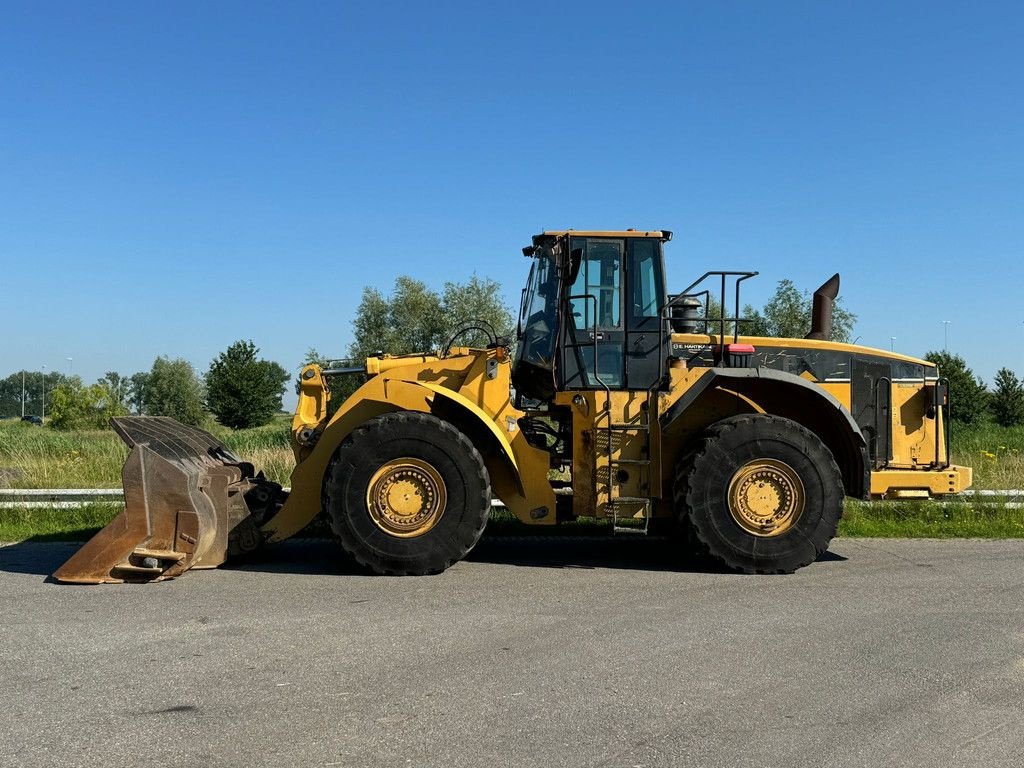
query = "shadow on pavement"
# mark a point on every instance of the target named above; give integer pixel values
(36, 557)
(634, 553)
(304, 556)
(324, 556)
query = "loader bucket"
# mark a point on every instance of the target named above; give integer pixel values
(189, 503)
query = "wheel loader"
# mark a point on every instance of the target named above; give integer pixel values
(620, 401)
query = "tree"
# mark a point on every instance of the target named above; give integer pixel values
(75, 406)
(172, 389)
(477, 299)
(137, 384)
(968, 396)
(410, 320)
(116, 388)
(36, 382)
(788, 315)
(1007, 400)
(243, 391)
(416, 319)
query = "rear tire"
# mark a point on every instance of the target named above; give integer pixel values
(759, 494)
(407, 494)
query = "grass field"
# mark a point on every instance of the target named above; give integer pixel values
(40, 457)
(34, 457)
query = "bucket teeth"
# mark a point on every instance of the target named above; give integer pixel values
(185, 507)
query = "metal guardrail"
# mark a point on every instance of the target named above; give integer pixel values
(75, 498)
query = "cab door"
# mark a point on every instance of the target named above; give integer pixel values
(645, 296)
(594, 330)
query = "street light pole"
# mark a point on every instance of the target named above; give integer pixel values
(71, 363)
(945, 328)
(892, 343)
(42, 413)
(23, 393)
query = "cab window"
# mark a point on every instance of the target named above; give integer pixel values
(597, 290)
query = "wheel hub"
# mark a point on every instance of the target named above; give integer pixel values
(766, 497)
(406, 497)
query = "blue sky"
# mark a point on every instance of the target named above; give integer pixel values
(175, 176)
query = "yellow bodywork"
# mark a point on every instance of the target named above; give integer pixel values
(473, 386)
(472, 383)
(918, 444)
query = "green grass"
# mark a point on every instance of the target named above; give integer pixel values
(929, 520)
(41, 457)
(996, 454)
(34, 457)
(44, 524)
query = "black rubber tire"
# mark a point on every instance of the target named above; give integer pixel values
(417, 435)
(700, 494)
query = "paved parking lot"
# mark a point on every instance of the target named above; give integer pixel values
(534, 653)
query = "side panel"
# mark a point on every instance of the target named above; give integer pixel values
(871, 406)
(782, 394)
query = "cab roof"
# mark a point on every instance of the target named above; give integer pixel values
(661, 234)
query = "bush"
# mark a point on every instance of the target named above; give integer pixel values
(1007, 402)
(74, 406)
(242, 391)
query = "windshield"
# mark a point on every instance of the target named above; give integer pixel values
(538, 313)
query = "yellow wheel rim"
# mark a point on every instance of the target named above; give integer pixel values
(766, 497)
(406, 497)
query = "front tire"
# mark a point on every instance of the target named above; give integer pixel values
(407, 494)
(759, 494)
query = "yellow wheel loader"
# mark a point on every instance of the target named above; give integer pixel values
(620, 401)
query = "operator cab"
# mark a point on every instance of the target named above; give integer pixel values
(590, 313)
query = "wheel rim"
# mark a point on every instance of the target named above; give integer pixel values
(406, 497)
(766, 497)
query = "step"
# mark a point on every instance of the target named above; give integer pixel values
(630, 500)
(627, 529)
(159, 554)
(138, 570)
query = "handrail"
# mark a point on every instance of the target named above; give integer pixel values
(888, 421)
(666, 313)
(941, 383)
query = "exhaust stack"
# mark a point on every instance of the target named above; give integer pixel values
(821, 312)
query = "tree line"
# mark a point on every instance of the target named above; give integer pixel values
(971, 401)
(239, 390)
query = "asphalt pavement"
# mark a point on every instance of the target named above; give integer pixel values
(532, 653)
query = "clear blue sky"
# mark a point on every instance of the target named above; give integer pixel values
(175, 176)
